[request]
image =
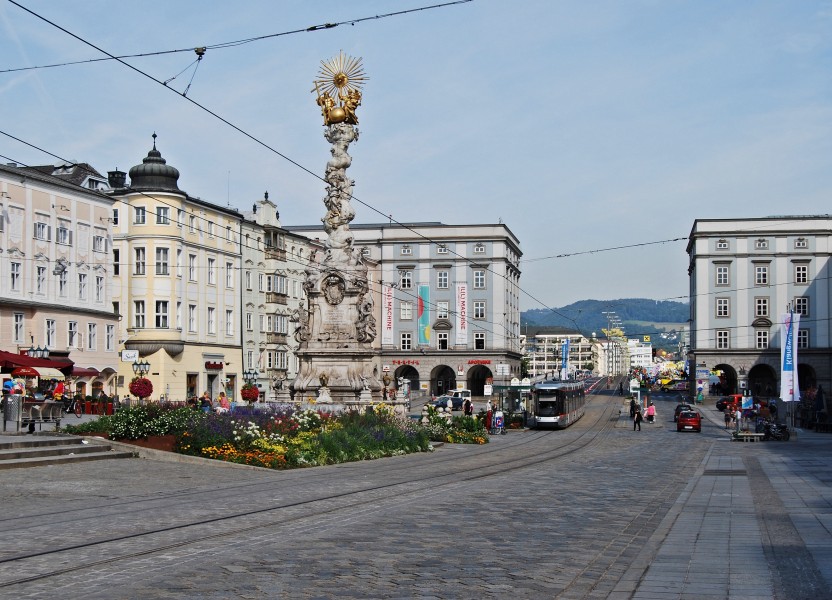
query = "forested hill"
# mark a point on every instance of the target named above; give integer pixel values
(638, 315)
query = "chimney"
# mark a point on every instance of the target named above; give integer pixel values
(254, 208)
(116, 178)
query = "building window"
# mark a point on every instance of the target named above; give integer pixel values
(406, 340)
(406, 311)
(229, 275)
(442, 280)
(99, 288)
(41, 280)
(722, 275)
(192, 224)
(115, 216)
(442, 249)
(761, 244)
(14, 274)
(179, 262)
(479, 309)
(162, 215)
(99, 243)
(19, 327)
(212, 271)
(116, 266)
(249, 322)
(263, 328)
(801, 274)
(406, 250)
(140, 261)
(162, 261)
(192, 267)
(42, 231)
(179, 316)
(248, 280)
(261, 281)
(180, 217)
(229, 322)
(192, 318)
(802, 338)
(63, 235)
(92, 334)
(82, 286)
(212, 322)
(479, 341)
(407, 280)
(761, 275)
(71, 334)
(723, 307)
(50, 333)
(800, 243)
(140, 215)
(801, 305)
(442, 340)
(723, 339)
(161, 314)
(138, 314)
(760, 307)
(63, 280)
(442, 309)
(479, 248)
(762, 339)
(210, 229)
(479, 279)
(110, 341)
(722, 245)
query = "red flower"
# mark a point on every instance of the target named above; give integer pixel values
(250, 393)
(141, 387)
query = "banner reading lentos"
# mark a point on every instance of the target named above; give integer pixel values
(788, 358)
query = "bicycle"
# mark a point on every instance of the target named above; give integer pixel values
(72, 404)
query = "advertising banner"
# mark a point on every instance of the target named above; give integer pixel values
(461, 314)
(564, 351)
(788, 358)
(387, 315)
(424, 315)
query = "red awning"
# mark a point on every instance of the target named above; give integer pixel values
(85, 372)
(10, 360)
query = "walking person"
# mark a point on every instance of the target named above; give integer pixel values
(651, 413)
(637, 420)
(468, 408)
(621, 388)
(632, 407)
(727, 417)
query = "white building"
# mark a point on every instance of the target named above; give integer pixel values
(543, 351)
(640, 354)
(744, 275)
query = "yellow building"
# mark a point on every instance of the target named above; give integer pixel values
(176, 285)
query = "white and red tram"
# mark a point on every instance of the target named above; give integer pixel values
(557, 404)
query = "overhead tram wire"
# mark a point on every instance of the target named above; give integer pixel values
(260, 142)
(223, 45)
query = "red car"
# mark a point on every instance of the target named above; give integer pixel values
(689, 420)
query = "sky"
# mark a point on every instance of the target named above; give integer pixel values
(582, 126)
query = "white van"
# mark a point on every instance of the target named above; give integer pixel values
(460, 394)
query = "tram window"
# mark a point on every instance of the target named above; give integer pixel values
(547, 408)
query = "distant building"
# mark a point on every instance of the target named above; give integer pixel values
(640, 354)
(543, 351)
(744, 275)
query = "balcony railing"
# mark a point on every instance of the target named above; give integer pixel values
(275, 253)
(275, 298)
(275, 338)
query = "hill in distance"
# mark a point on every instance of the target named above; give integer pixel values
(639, 317)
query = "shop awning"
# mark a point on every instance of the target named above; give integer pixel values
(10, 360)
(85, 372)
(49, 373)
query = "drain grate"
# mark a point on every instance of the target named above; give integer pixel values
(728, 472)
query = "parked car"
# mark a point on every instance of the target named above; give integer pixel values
(442, 401)
(689, 420)
(726, 401)
(677, 385)
(679, 409)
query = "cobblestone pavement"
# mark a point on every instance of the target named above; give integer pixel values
(595, 511)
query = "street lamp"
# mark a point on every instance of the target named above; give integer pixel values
(141, 368)
(250, 376)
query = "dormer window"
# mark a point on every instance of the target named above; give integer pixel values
(407, 250)
(479, 248)
(722, 244)
(801, 243)
(761, 244)
(442, 249)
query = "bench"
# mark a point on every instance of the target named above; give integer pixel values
(747, 436)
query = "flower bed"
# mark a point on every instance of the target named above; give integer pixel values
(285, 439)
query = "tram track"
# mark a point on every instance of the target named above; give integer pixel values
(410, 484)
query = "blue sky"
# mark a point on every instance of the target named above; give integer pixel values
(581, 125)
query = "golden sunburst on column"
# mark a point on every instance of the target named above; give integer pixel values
(338, 88)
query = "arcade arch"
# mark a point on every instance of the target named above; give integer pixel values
(478, 376)
(442, 380)
(762, 381)
(409, 373)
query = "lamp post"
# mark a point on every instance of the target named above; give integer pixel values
(250, 376)
(141, 368)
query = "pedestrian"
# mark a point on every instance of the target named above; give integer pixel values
(205, 402)
(632, 407)
(651, 413)
(620, 388)
(727, 417)
(738, 417)
(468, 408)
(637, 420)
(488, 415)
(223, 406)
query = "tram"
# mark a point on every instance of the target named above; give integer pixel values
(557, 404)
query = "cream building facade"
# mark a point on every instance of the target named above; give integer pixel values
(176, 285)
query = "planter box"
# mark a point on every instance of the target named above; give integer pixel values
(154, 442)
